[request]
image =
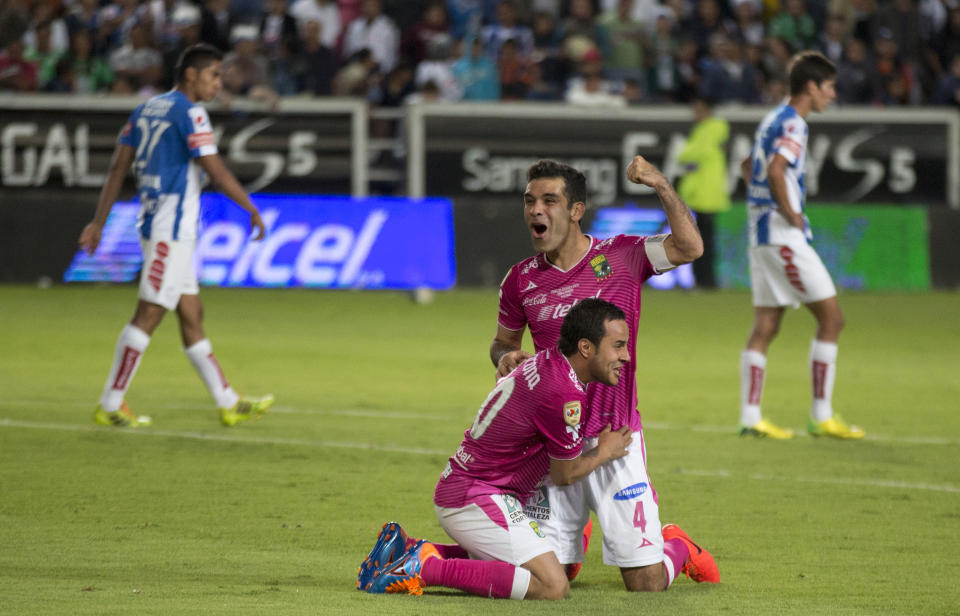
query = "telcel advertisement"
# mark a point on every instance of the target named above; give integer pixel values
(325, 242)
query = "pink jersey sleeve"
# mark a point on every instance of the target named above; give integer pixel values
(511, 313)
(559, 422)
(635, 254)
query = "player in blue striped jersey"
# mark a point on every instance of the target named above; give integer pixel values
(169, 143)
(784, 269)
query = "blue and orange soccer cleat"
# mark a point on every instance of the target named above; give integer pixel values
(700, 567)
(404, 573)
(390, 545)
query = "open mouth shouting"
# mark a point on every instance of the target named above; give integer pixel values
(538, 230)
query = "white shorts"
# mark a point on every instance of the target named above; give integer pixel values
(626, 505)
(168, 272)
(484, 539)
(788, 276)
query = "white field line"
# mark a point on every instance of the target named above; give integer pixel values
(222, 437)
(233, 438)
(391, 414)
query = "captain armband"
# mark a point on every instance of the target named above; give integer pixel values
(657, 254)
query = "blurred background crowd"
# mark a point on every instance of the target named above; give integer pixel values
(599, 52)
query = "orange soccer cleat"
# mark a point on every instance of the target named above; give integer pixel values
(700, 566)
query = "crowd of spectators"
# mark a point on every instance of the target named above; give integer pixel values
(599, 52)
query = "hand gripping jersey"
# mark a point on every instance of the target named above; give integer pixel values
(533, 414)
(783, 132)
(537, 294)
(167, 133)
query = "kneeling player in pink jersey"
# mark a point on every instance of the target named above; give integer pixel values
(571, 266)
(527, 428)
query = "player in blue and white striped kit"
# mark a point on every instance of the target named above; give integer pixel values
(784, 269)
(169, 142)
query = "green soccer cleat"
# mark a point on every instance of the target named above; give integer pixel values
(122, 418)
(246, 409)
(765, 429)
(835, 427)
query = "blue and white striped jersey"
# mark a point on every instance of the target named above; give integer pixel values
(783, 132)
(168, 132)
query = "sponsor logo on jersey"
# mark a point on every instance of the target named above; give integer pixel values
(536, 529)
(535, 300)
(564, 292)
(530, 287)
(531, 264)
(605, 243)
(631, 492)
(601, 267)
(571, 413)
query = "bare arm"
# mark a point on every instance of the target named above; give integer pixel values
(119, 166)
(505, 351)
(778, 188)
(746, 171)
(610, 446)
(684, 244)
(222, 177)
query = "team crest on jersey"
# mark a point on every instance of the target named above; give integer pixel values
(601, 267)
(536, 529)
(571, 413)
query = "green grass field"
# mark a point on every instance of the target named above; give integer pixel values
(374, 392)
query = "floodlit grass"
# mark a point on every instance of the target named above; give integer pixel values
(374, 392)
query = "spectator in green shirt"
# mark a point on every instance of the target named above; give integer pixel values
(795, 26)
(704, 185)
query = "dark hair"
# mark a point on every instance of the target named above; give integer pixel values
(587, 319)
(574, 182)
(198, 56)
(807, 66)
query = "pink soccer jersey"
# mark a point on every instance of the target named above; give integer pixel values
(532, 415)
(537, 294)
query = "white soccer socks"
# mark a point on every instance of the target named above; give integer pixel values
(131, 344)
(823, 371)
(206, 365)
(753, 369)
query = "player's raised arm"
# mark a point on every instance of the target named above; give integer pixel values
(222, 177)
(119, 166)
(505, 351)
(684, 243)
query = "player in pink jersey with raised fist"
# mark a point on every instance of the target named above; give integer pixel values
(537, 292)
